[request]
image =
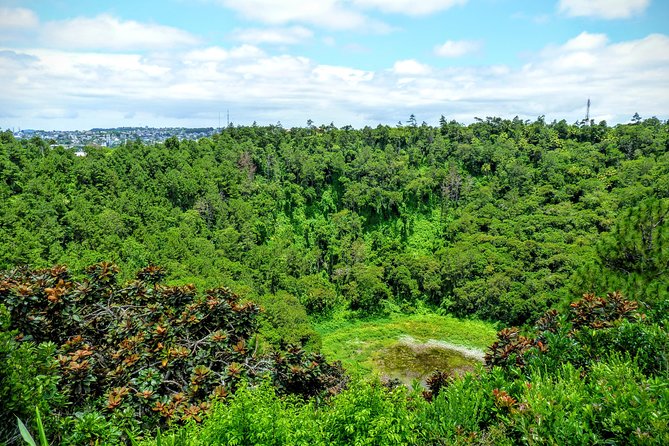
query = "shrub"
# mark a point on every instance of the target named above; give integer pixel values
(462, 410)
(554, 408)
(252, 416)
(317, 294)
(593, 328)
(369, 414)
(28, 379)
(307, 374)
(627, 406)
(284, 321)
(141, 353)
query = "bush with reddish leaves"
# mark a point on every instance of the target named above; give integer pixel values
(509, 349)
(438, 381)
(307, 374)
(153, 353)
(598, 312)
(594, 327)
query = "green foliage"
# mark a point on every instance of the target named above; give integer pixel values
(369, 414)
(318, 294)
(366, 291)
(593, 329)
(629, 406)
(595, 374)
(489, 220)
(89, 427)
(366, 414)
(284, 321)
(254, 416)
(25, 434)
(462, 409)
(555, 408)
(29, 379)
(307, 374)
(27, 437)
(633, 256)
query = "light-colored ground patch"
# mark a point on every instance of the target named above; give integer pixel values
(468, 352)
(412, 345)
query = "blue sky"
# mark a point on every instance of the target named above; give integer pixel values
(77, 64)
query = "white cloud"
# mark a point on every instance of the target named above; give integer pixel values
(17, 18)
(411, 67)
(192, 85)
(273, 69)
(605, 9)
(335, 14)
(351, 76)
(586, 41)
(17, 24)
(210, 54)
(219, 54)
(276, 36)
(457, 48)
(332, 14)
(57, 113)
(409, 7)
(110, 33)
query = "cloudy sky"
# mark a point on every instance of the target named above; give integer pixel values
(78, 64)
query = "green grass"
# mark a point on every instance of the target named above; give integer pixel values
(357, 344)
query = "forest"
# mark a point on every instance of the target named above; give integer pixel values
(182, 292)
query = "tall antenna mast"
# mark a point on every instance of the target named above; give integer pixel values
(587, 112)
(228, 117)
(219, 122)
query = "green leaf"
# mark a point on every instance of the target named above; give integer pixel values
(40, 429)
(133, 442)
(25, 434)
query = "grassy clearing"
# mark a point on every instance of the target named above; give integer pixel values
(359, 344)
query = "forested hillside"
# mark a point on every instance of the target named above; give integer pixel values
(499, 219)
(562, 230)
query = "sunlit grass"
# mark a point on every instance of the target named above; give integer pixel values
(357, 343)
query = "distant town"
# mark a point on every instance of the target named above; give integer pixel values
(113, 137)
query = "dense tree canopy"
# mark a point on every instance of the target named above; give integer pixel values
(491, 219)
(499, 220)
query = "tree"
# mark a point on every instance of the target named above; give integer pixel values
(633, 257)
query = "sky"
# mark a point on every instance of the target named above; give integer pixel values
(80, 64)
